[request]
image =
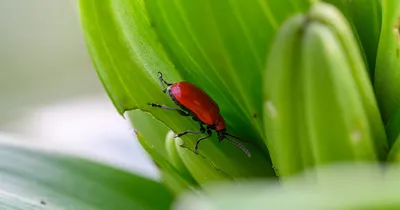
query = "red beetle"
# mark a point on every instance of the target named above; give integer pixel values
(202, 108)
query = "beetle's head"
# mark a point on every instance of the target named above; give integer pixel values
(221, 134)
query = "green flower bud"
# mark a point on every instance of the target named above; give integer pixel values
(318, 102)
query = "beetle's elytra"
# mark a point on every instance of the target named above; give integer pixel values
(195, 103)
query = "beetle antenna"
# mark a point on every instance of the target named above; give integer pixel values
(241, 146)
(241, 139)
(238, 138)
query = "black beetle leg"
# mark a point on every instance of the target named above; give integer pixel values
(181, 112)
(202, 130)
(209, 132)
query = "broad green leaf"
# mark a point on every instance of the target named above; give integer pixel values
(35, 179)
(124, 51)
(365, 17)
(127, 55)
(351, 186)
(222, 46)
(387, 77)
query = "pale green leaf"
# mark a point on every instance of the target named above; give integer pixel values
(35, 179)
(359, 187)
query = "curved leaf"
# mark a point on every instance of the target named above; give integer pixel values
(214, 162)
(151, 134)
(387, 77)
(127, 55)
(222, 46)
(33, 179)
(170, 175)
(173, 146)
(124, 56)
(393, 128)
(394, 154)
(365, 17)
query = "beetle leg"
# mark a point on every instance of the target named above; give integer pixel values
(202, 130)
(209, 132)
(187, 132)
(163, 81)
(181, 112)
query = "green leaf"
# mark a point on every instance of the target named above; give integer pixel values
(127, 54)
(174, 179)
(340, 187)
(221, 46)
(394, 154)
(125, 51)
(35, 179)
(228, 163)
(365, 18)
(173, 146)
(151, 130)
(393, 127)
(387, 77)
(393, 131)
(152, 134)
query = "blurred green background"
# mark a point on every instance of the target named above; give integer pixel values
(50, 93)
